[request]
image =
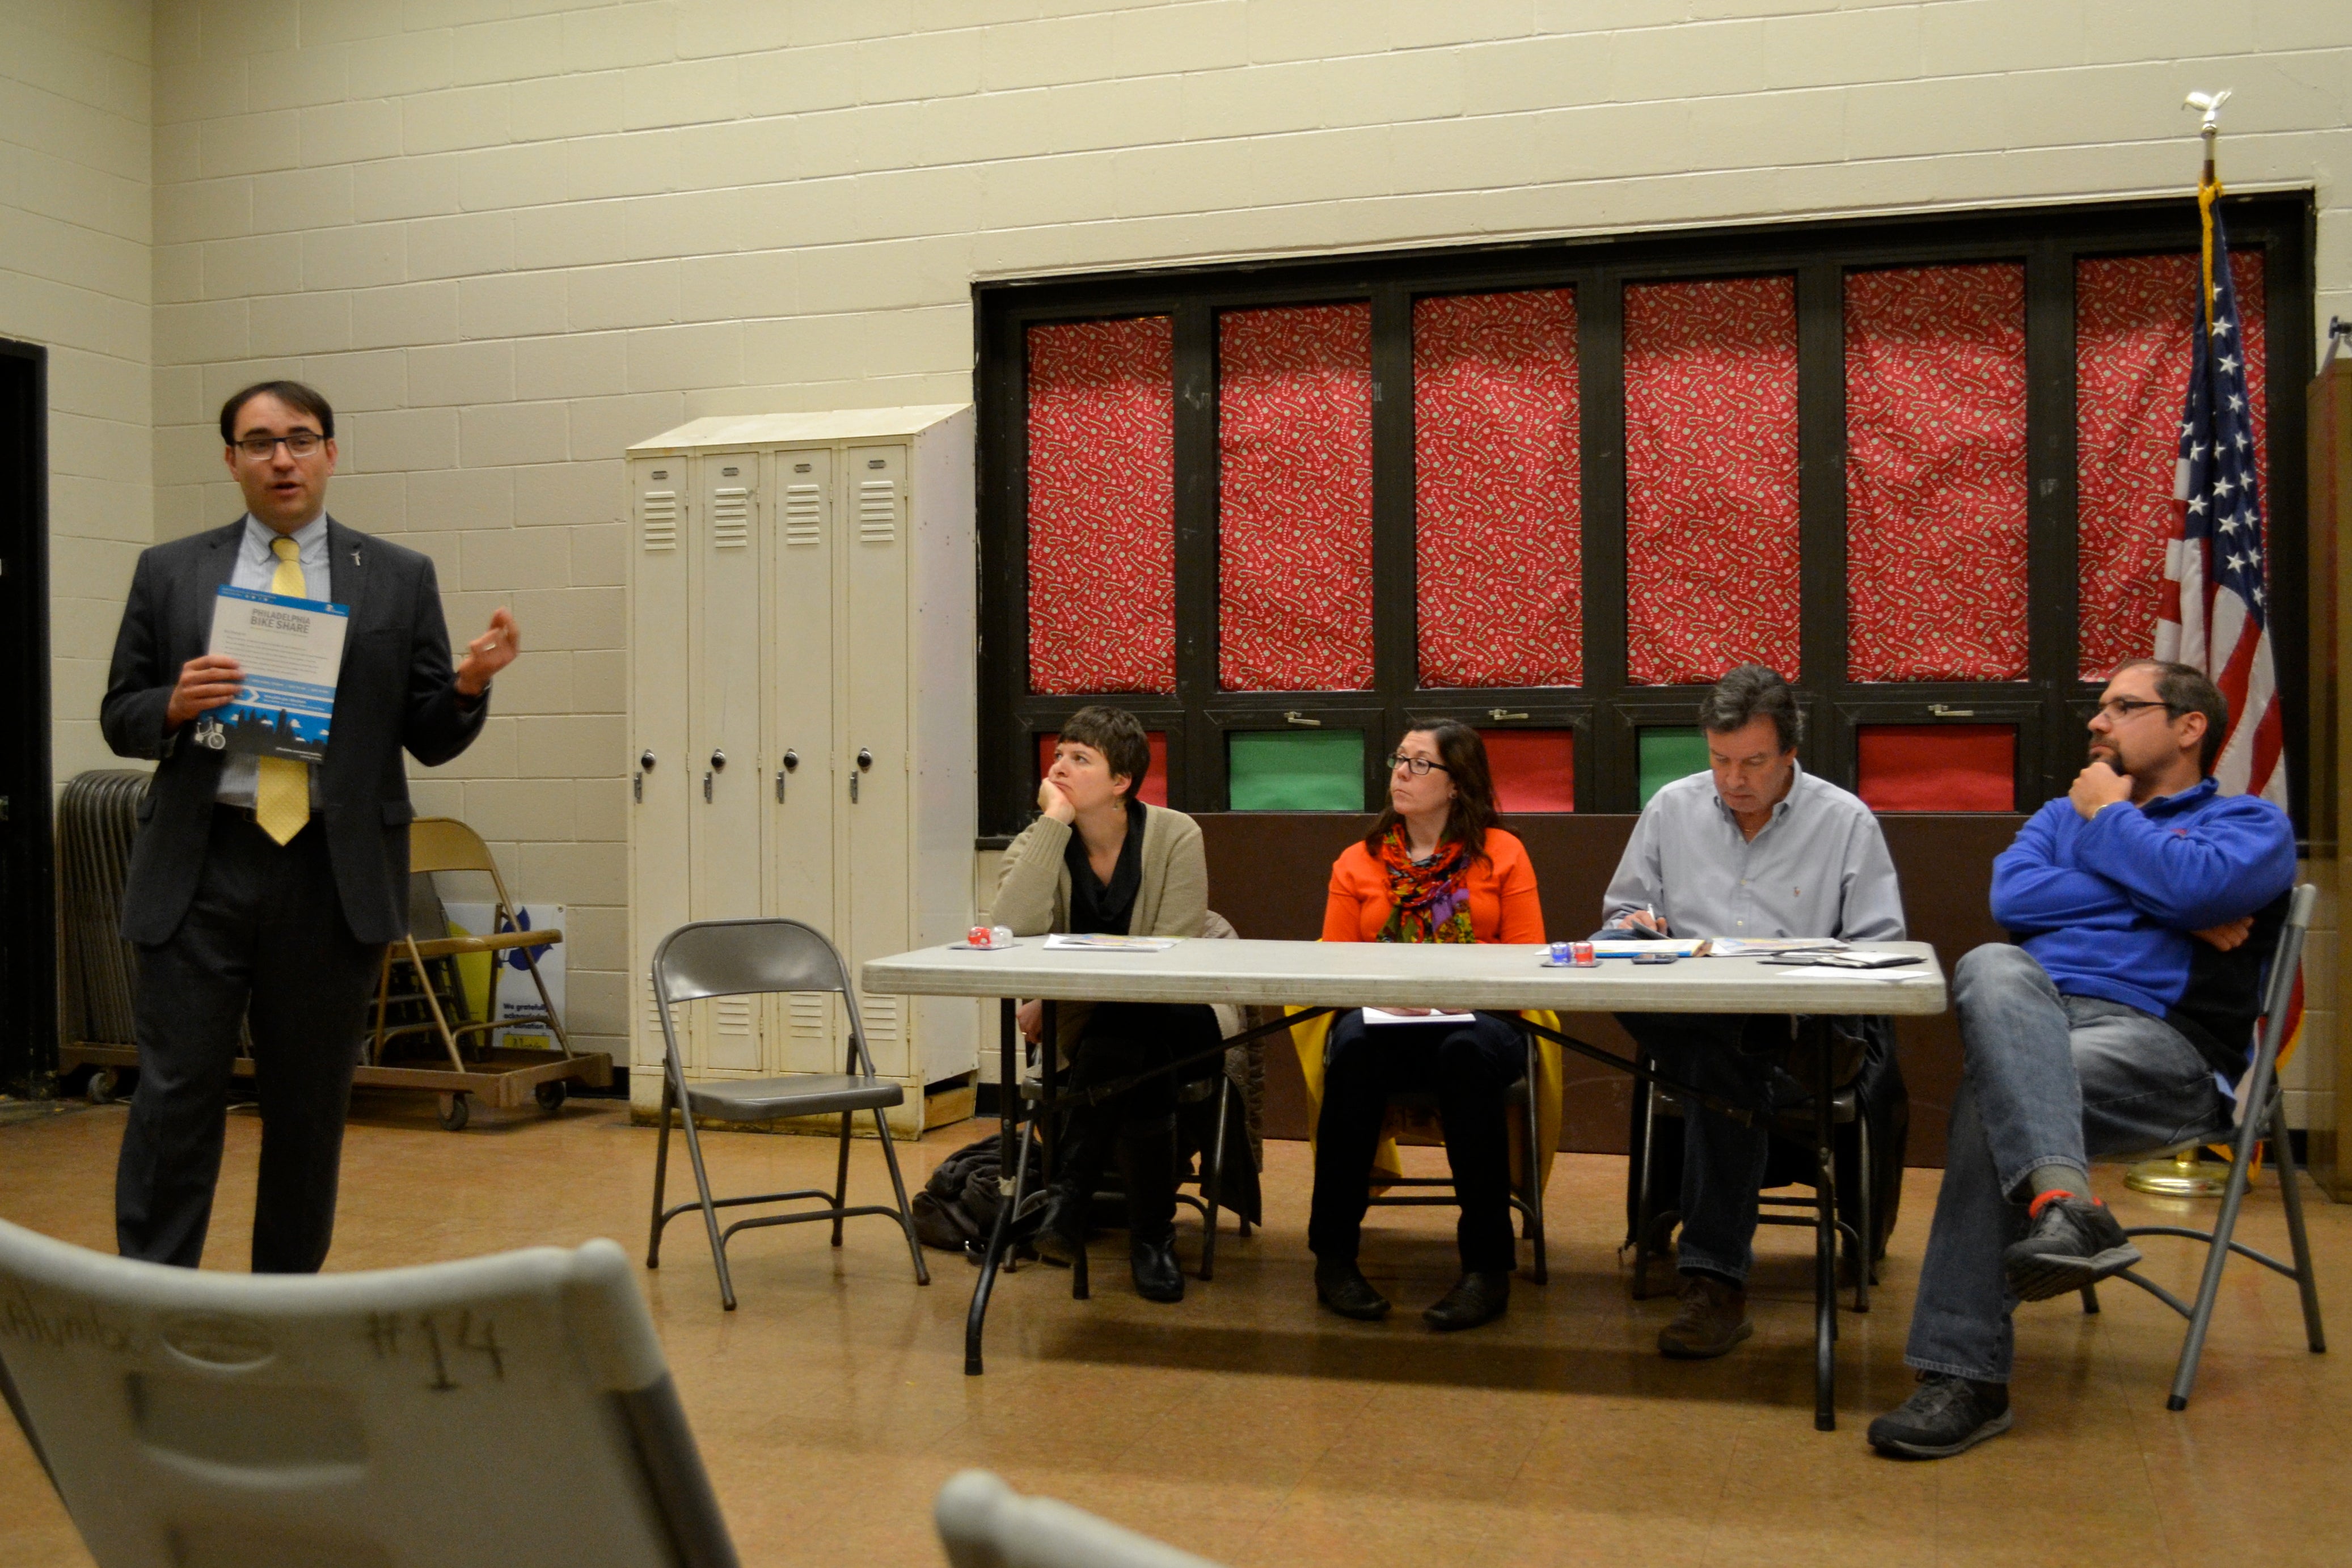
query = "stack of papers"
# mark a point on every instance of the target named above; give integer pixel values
(1748, 947)
(1095, 942)
(1685, 945)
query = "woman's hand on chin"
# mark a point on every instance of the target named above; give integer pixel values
(1055, 804)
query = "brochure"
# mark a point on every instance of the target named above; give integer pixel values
(1747, 946)
(292, 652)
(1095, 942)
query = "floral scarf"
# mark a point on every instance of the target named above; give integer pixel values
(1431, 901)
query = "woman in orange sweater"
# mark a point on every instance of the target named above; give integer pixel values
(1434, 868)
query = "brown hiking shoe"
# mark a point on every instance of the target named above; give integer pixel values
(1714, 1318)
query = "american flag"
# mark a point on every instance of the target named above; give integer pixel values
(2214, 608)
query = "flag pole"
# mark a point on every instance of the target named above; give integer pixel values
(2185, 1174)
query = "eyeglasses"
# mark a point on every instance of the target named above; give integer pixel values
(1418, 767)
(2118, 709)
(301, 444)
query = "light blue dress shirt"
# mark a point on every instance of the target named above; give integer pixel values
(256, 565)
(1818, 868)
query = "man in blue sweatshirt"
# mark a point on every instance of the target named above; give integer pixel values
(2143, 904)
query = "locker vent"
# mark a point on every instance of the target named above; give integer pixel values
(654, 1028)
(810, 1015)
(877, 511)
(735, 1016)
(881, 1018)
(661, 519)
(730, 517)
(804, 515)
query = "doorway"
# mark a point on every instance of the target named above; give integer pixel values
(28, 954)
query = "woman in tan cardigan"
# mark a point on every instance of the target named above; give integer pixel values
(1100, 860)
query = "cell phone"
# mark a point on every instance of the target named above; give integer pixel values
(1657, 957)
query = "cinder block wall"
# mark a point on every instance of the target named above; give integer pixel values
(76, 229)
(508, 237)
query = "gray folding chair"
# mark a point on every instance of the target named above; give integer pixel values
(503, 1412)
(2264, 1113)
(983, 1523)
(743, 957)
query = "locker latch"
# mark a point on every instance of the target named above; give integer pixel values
(865, 761)
(644, 765)
(792, 761)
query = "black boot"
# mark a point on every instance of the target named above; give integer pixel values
(1146, 1160)
(1061, 1232)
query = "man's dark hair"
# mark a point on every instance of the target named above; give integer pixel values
(293, 395)
(1119, 735)
(1463, 753)
(1748, 693)
(2186, 689)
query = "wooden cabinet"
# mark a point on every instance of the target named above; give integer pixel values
(802, 720)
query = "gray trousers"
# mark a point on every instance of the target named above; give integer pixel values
(2046, 1079)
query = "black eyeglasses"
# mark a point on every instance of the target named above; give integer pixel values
(2118, 709)
(1418, 767)
(301, 444)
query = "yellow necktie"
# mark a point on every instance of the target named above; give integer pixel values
(281, 797)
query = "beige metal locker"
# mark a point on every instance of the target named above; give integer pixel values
(803, 712)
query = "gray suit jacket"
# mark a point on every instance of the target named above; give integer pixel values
(395, 690)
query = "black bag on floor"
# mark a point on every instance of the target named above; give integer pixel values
(958, 1204)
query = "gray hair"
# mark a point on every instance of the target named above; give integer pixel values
(1749, 693)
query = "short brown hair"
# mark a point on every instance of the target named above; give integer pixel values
(1119, 735)
(293, 395)
(1463, 753)
(2186, 689)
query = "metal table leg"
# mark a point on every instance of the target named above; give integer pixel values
(1825, 1236)
(1008, 1097)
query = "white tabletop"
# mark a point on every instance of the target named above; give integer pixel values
(1494, 975)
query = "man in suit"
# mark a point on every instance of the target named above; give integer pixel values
(264, 889)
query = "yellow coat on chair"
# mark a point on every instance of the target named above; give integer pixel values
(1311, 1036)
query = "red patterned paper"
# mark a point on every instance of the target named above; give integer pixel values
(1496, 507)
(1102, 507)
(1710, 479)
(2133, 315)
(1935, 431)
(1295, 498)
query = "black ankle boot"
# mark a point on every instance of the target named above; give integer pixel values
(1062, 1222)
(1146, 1160)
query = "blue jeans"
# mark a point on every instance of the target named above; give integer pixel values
(1723, 1161)
(2046, 1079)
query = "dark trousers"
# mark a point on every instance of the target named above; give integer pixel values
(1124, 1038)
(263, 940)
(1723, 1164)
(1470, 1069)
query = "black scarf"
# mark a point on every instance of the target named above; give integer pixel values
(1095, 907)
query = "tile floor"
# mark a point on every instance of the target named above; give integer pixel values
(1253, 1429)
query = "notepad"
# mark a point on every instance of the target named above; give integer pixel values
(1098, 942)
(1383, 1016)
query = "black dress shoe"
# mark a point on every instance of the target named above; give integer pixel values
(1476, 1298)
(1157, 1276)
(1061, 1233)
(1343, 1288)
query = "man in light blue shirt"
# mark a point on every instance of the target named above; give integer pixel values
(1755, 847)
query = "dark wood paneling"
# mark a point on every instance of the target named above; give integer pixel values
(1267, 874)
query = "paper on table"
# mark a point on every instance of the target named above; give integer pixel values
(1745, 947)
(1824, 972)
(1685, 945)
(1097, 942)
(293, 653)
(1381, 1015)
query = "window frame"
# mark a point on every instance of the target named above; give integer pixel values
(2049, 705)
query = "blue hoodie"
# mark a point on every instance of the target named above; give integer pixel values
(2106, 905)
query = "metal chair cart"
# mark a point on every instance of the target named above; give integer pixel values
(97, 820)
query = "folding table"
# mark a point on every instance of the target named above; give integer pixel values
(1329, 976)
